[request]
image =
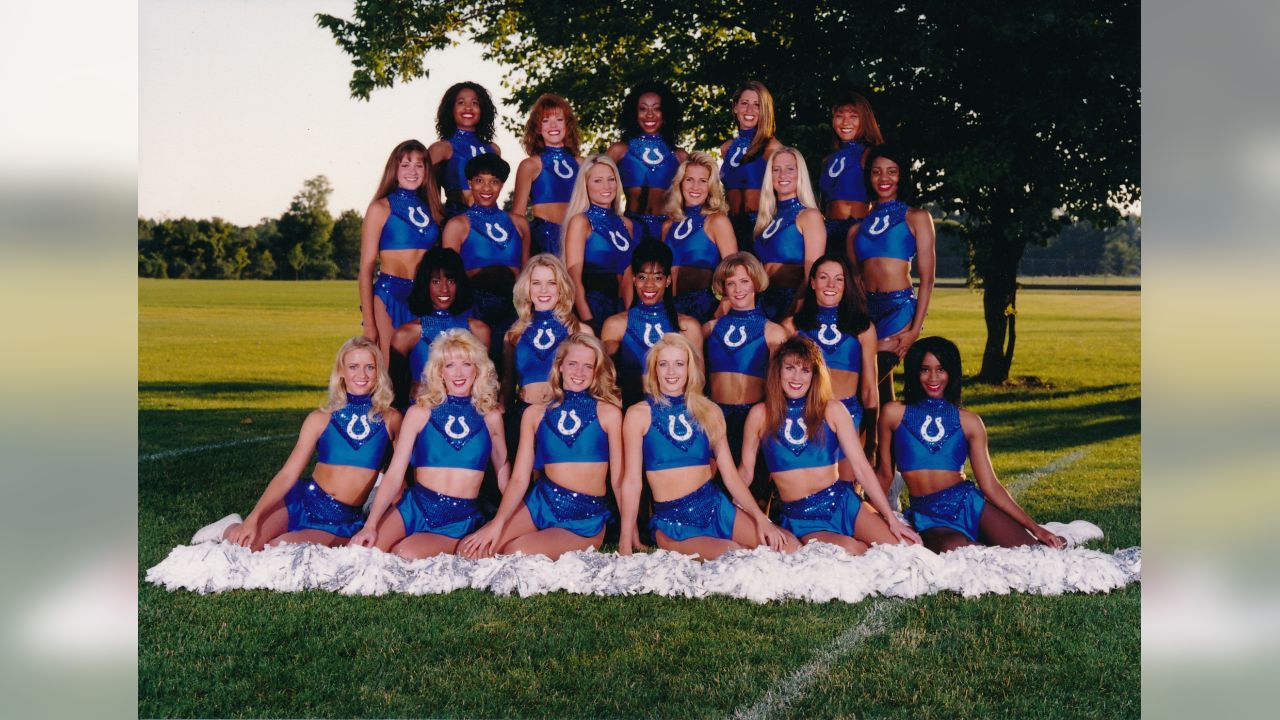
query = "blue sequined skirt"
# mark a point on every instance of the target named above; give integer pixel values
(704, 512)
(744, 227)
(311, 508)
(546, 237)
(892, 312)
(775, 302)
(699, 304)
(958, 507)
(647, 226)
(735, 419)
(424, 510)
(551, 505)
(452, 209)
(495, 309)
(833, 510)
(854, 406)
(601, 291)
(394, 292)
(837, 235)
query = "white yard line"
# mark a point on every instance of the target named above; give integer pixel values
(201, 448)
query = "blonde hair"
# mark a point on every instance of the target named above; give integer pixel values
(744, 260)
(704, 411)
(769, 201)
(451, 343)
(563, 310)
(715, 191)
(579, 200)
(604, 386)
(382, 394)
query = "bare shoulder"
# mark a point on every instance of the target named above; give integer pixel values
(608, 412)
(616, 150)
(530, 165)
(614, 325)
(971, 423)
(637, 414)
(891, 412)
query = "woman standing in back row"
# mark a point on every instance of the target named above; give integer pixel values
(544, 180)
(647, 156)
(745, 156)
(854, 131)
(464, 122)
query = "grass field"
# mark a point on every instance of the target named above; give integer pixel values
(222, 361)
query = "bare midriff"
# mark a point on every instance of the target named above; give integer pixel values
(730, 388)
(347, 484)
(401, 263)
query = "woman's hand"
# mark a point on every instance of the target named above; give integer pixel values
(367, 537)
(903, 533)
(481, 543)
(769, 534)
(1057, 542)
(905, 339)
(246, 534)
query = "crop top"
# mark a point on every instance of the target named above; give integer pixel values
(454, 437)
(570, 433)
(352, 437)
(841, 351)
(609, 247)
(674, 438)
(554, 184)
(781, 240)
(465, 146)
(736, 344)
(843, 177)
(433, 326)
(409, 226)
(884, 232)
(791, 449)
(646, 324)
(930, 437)
(738, 173)
(649, 162)
(492, 241)
(690, 245)
(535, 351)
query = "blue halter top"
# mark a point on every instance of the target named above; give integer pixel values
(570, 432)
(609, 246)
(649, 162)
(674, 438)
(690, 245)
(454, 437)
(841, 351)
(930, 437)
(791, 449)
(465, 146)
(781, 240)
(555, 183)
(884, 232)
(736, 344)
(738, 173)
(493, 240)
(352, 437)
(433, 326)
(843, 177)
(646, 324)
(535, 351)
(409, 226)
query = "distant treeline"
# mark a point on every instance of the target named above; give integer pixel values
(1080, 249)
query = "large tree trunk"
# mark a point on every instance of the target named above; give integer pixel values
(999, 309)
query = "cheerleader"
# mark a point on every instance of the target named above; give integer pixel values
(647, 156)
(464, 124)
(545, 179)
(745, 154)
(698, 233)
(598, 243)
(789, 232)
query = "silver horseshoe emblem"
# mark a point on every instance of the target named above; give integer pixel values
(568, 169)
(875, 224)
(457, 435)
(615, 237)
(742, 336)
(351, 427)
(489, 229)
(671, 428)
(650, 327)
(786, 432)
(687, 225)
(551, 338)
(477, 150)
(836, 168)
(426, 219)
(822, 334)
(924, 429)
(648, 161)
(577, 423)
(772, 228)
(736, 159)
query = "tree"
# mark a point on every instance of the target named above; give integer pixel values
(265, 266)
(1021, 120)
(346, 243)
(308, 224)
(297, 259)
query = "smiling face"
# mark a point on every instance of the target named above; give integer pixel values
(602, 185)
(359, 372)
(651, 282)
(544, 293)
(485, 188)
(884, 178)
(458, 374)
(466, 109)
(797, 376)
(696, 184)
(444, 290)
(553, 128)
(786, 174)
(411, 171)
(828, 284)
(578, 368)
(747, 109)
(933, 377)
(846, 122)
(673, 371)
(740, 289)
(649, 113)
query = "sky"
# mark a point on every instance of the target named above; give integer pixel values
(240, 102)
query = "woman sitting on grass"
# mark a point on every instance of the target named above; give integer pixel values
(671, 439)
(576, 441)
(451, 434)
(350, 435)
(801, 430)
(930, 437)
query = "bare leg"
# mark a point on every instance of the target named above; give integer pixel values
(704, 546)
(744, 533)
(275, 524)
(871, 529)
(382, 319)
(995, 527)
(523, 536)
(853, 546)
(390, 529)
(886, 361)
(941, 539)
(425, 544)
(297, 537)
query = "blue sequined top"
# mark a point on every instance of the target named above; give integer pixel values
(841, 351)
(674, 438)
(884, 232)
(555, 183)
(492, 241)
(409, 226)
(791, 449)
(352, 437)
(690, 244)
(737, 173)
(736, 344)
(535, 351)
(433, 326)
(646, 324)
(930, 437)
(571, 433)
(843, 175)
(781, 240)
(609, 246)
(454, 437)
(465, 146)
(649, 162)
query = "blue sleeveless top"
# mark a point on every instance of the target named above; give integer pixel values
(841, 351)
(465, 146)
(930, 437)
(570, 433)
(884, 233)
(409, 226)
(791, 449)
(690, 244)
(454, 437)
(649, 162)
(555, 183)
(646, 324)
(843, 177)
(781, 240)
(737, 173)
(674, 438)
(609, 247)
(433, 326)
(352, 437)
(493, 240)
(536, 348)
(737, 345)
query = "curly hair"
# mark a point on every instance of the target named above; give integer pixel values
(446, 125)
(459, 343)
(532, 141)
(672, 112)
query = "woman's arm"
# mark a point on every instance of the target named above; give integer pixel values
(406, 336)
(414, 420)
(480, 329)
(985, 475)
(575, 247)
(273, 496)
(766, 532)
(890, 417)
(455, 232)
(789, 326)
(616, 151)
(921, 224)
(692, 331)
(774, 336)
(814, 231)
(869, 393)
(720, 230)
(498, 455)
(751, 430)
(634, 426)
(522, 227)
(838, 419)
(370, 239)
(484, 542)
(611, 421)
(525, 173)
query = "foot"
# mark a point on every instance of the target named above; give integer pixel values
(214, 531)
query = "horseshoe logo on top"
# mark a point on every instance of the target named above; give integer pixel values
(650, 327)
(415, 210)
(742, 336)
(924, 429)
(804, 432)
(537, 338)
(351, 427)
(568, 169)
(644, 155)
(565, 415)
(457, 435)
(836, 168)
(736, 158)
(501, 235)
(686, 225)
(478, 150)
(620, 240)
(876, 228)
(671, 428)
(835, 330)
(772, 228)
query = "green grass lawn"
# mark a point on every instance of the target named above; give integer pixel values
(221, 361)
